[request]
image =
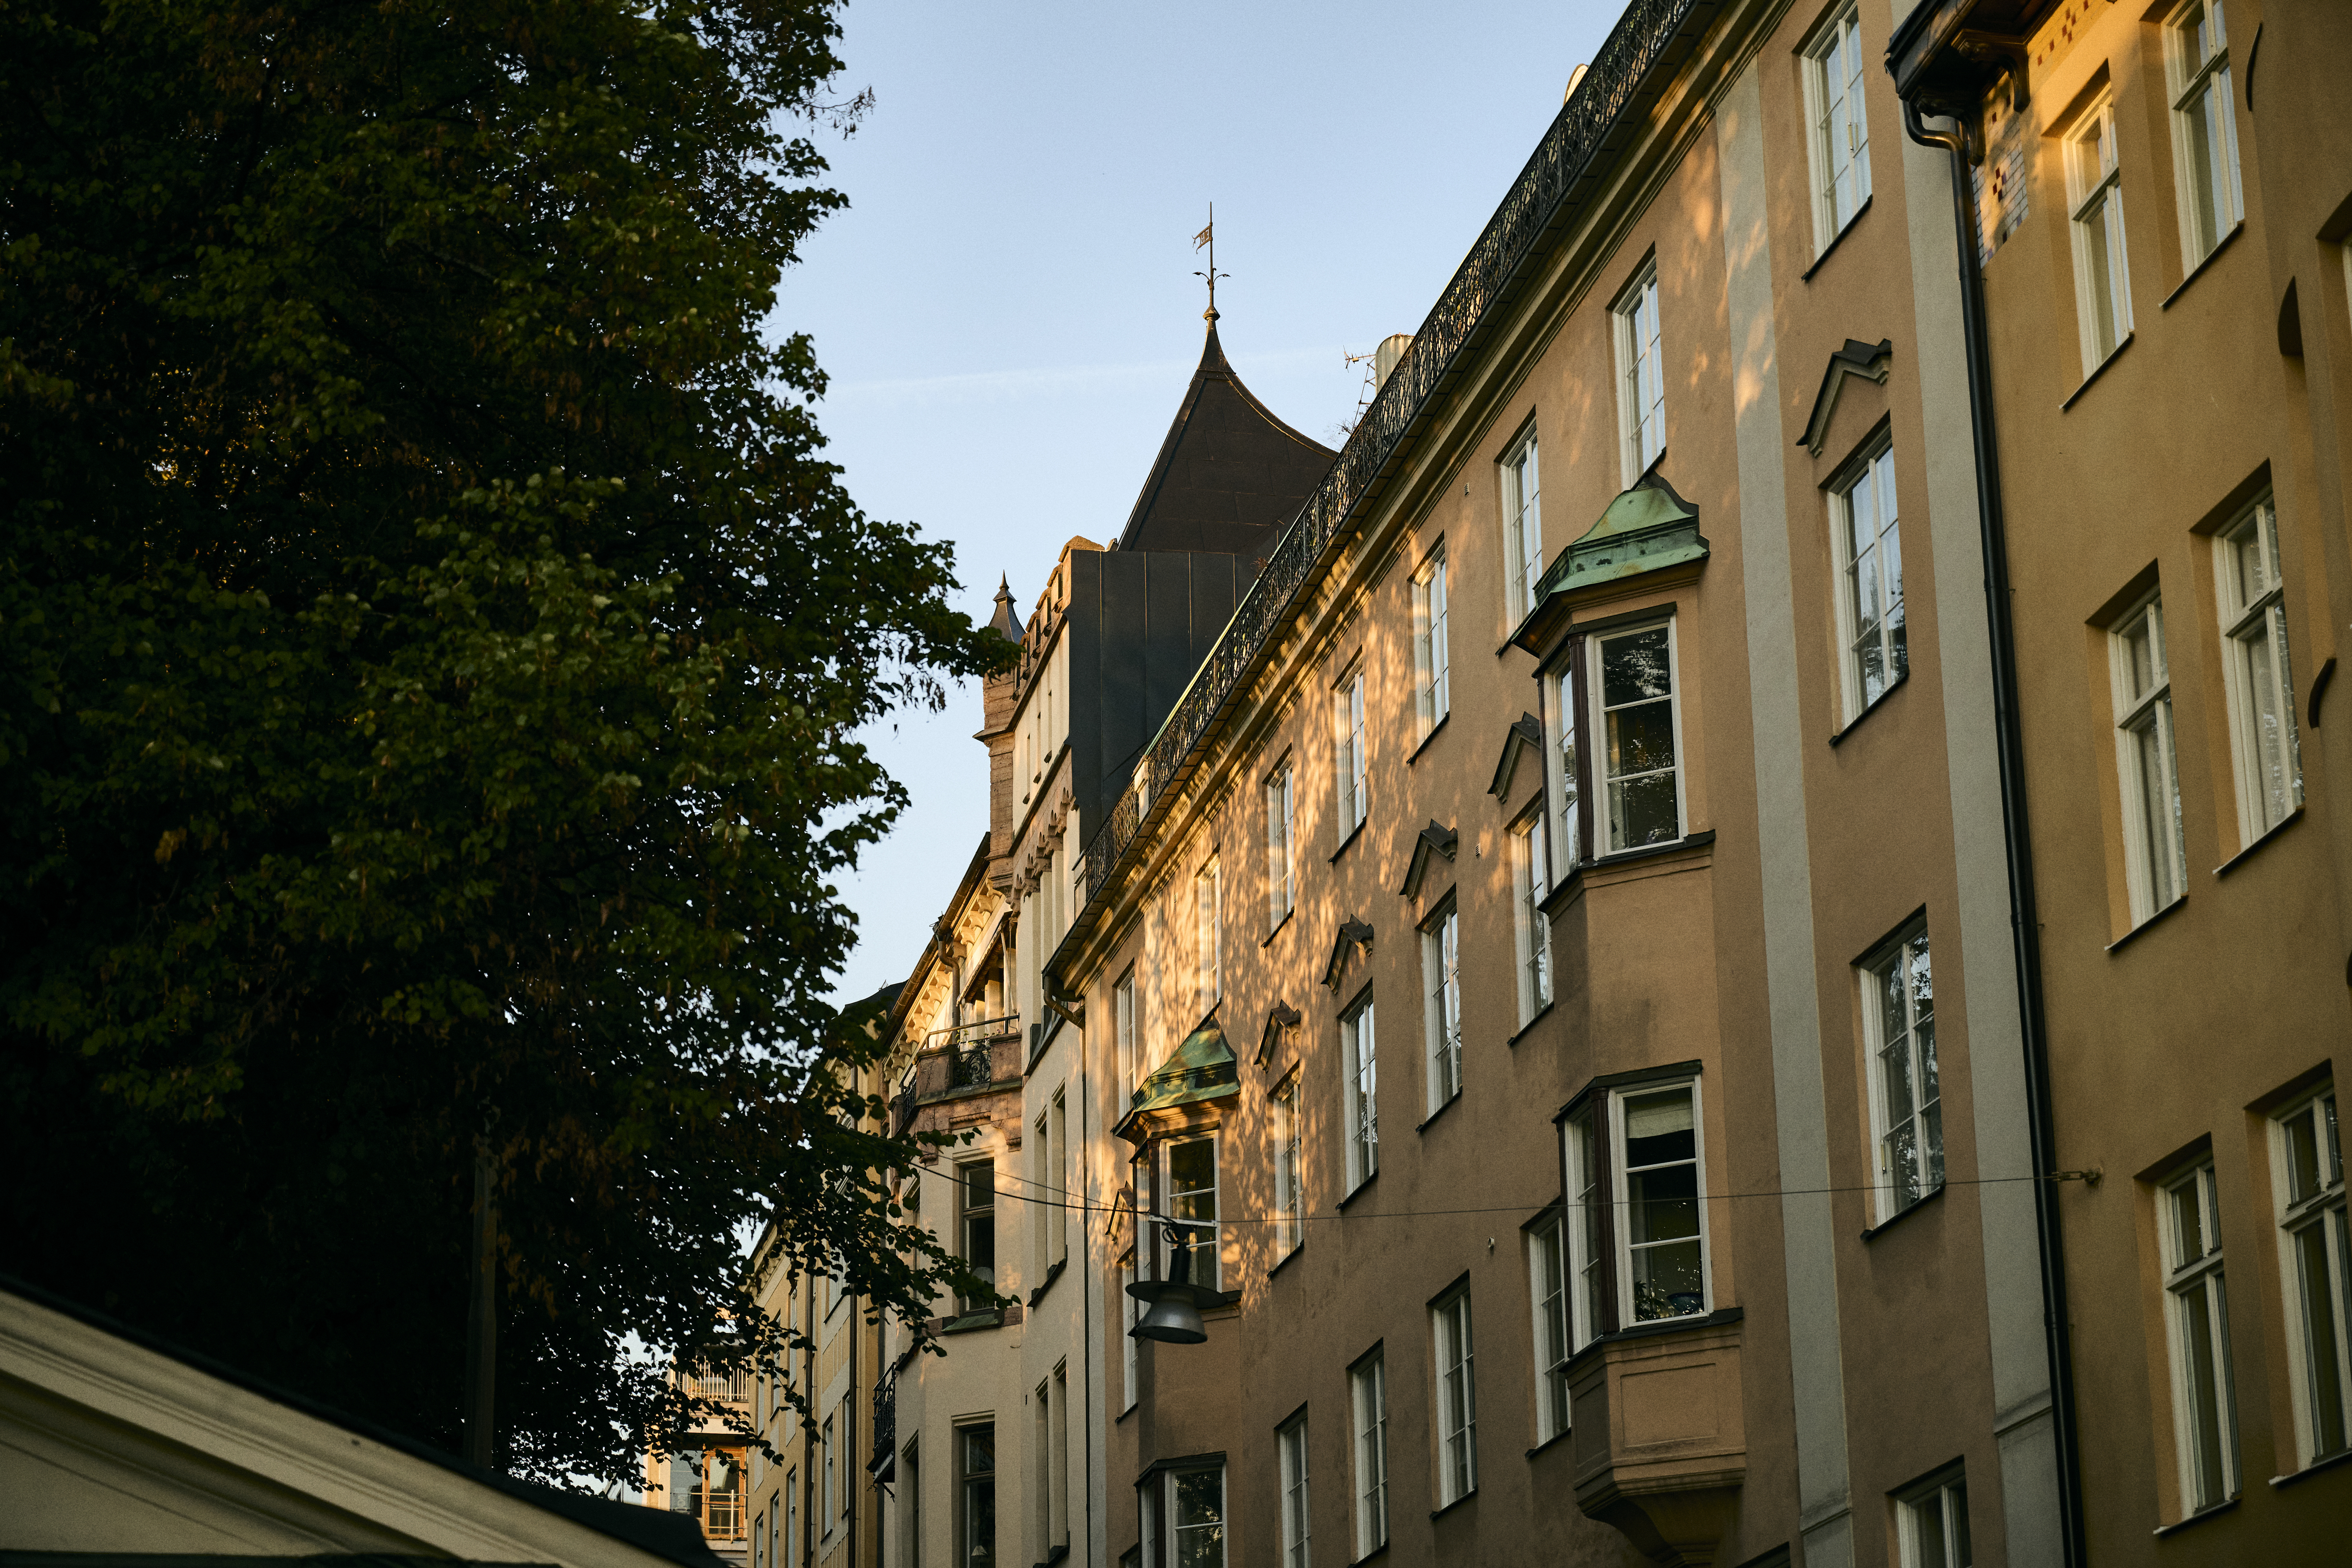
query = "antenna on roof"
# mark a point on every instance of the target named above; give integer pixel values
(1208, 237)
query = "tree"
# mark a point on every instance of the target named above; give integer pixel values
(432, 643)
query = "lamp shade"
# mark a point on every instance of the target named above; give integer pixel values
(1175, 1302)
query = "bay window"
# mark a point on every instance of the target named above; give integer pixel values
(1188, 1195)
(1184, 1518)
(1563, 780)
(1632, 1165)
(1632, 690)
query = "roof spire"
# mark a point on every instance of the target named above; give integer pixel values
(1208, 237)
(1006, 622)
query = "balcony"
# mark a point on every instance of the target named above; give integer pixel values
(968, 1058)
(1660, 1436)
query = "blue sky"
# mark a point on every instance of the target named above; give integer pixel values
(1008, 309)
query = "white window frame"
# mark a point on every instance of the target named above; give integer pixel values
(1131, 1310)
(1641, 374)
(1164, 1530)
(1297, 1518)
(1123, 1028)
(1563, 776)
(1839, 124)
(1596, 658)
(1530, 885)
(1939, 1506)
(2197, 1336)
(1059, 1228)
(1548, 1289)
(1281, 846)
(2156, 863)
(1348, 769)
(1905, 1177)
(1441, 988)
(1523, 553)
(825, 1448)
(1289, 1199)
(966, 1214)
(1432, 674)
(1585, 1168)
(2312, 1231)
(2269, 769)
(1862, 501)
(2094, 210)
(1207, 1261)
(1360, 1064)
(1620, 1186)
(1368, 1399)
(2196, 75)
(1209, 935)
(1454, 1341)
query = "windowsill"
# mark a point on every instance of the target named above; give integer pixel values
(2097, 371)
(1558, 897)
(971, 1322)
(1451, 1100)
(2331, 1462)
(1053, 1271)
(1358, 1189)
(1714, 1320)
(1276, 930)
(2218, 246)
(1470, 1495)
(1891, 1221)
(2132, 936)
(1373, 1555)
(1057, 1554)
(1876, 703)
(1435, 731)
(1835, 240)
(1284, 1261)
(1554, 1441)
(2200, 1517)
(1125, 1413)
(1540, 1014)
(1353, 834)
(2283, 823)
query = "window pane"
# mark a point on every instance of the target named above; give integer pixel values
(2199, 1355)
(2324, 1372)
(1662, 1206)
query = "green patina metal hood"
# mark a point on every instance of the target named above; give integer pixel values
(1202, 1067)
(1646, 529)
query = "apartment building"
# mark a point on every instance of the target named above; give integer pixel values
(2161, 274)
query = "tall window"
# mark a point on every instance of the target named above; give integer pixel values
(2307, 1153)
(760, 1539)
(912, 1460)
(1530, 886)
(1634, 697)
(1133, 1311)
(2154, 865)
(1641, 374)
(1292, 1442)
(1581, 1226)
(1564, 783)
(1870, 591)
(792, 1552)
(1457, 1400)
(1907, 1093)
(1059, 1227)
(1663, 1254)
(1348, 763)
(2260, 679)
(2204, 1404)
(1935, 1523)
(2204, 128)
(975, 1497)
(1289, 1201)
(1360, 1065)
(1369, 1393)
(1840, 151)
(1430, 687)
(1188, 1175)
(1123, 1025)
(976, 1223)
(2096, 200)
(828, 1488)
(1186, 1510)
(1042, 1495)
(1522, 525)
(1548, 1282)
(1208, 901)
(1441, 970)
(1281, 848)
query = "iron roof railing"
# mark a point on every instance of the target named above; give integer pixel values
(1640, 42)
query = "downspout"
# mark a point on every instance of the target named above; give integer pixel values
(2009, 753)
(1085, 1301)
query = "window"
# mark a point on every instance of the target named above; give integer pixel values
(1208, 901)
(1188, 1185)
(1582, 1226)
(2307, 1153)
(827, 1507)
(1523, 557)
(1640, 376)
(2149, 767)
(1368, 1391)
(1564, 783)
(1042, 1498)
(1059, 1228)
(1289, 1201)
(1870, 590)
(1457, 1400)
(1133, 1312)
(1633, 693)
(793, 1553)
(848, 1436)
(1530, 886)
(2204, 1404)
(1833, 105)
(1360, 1072)
(1348, 765)
(2095, 199)
(1548, 1281)
(913, 1460)
(1906, 1105)
(1292, 1442)
(1933, 1522)
(1041, 1191)
(1663, 1256)
(1184, 1519)
(760, 1539)
(975, 1497)
(2204, 128)
(1440, 972)
(1281, 852)
(1123, 1025)
(1059, 1515)
(2260, 679)
(976, 1227)
(1431, 687)
(707, 1485)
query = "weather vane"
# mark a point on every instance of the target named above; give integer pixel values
(1208, 237)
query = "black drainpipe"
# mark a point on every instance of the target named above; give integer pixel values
(2010, 750)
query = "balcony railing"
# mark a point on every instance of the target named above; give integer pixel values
(734, 1387)
(1585, 127)
(883, 1463)
(957, 1060)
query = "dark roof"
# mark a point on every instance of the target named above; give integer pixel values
(1229, 476)
(1006, 622)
